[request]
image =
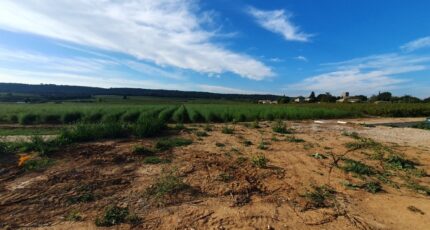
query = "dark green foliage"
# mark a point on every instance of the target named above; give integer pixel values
(227, 130)
(148, 127)
(38, 164)
(320, 197)
(372, 187)
(399, 162)
(72, 117)
(423, 125)
(94, 117)
(166, 144)
(81, 198)
(180, 115)
(142, 150)
(423, 189)
(130, 117)
(13, 119)
(262, 145)
(167, 185)
(5, 149)
(92, 132)
(112, 215)
(357, 167)
(41, 146)
(29, 119)
(201, 134)
(155, 160)
(247, 142)
(280, 127)
(52, 119)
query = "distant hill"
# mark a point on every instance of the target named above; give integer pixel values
(61, 92)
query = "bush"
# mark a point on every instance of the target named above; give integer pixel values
(29, 119)
(166, 144)
(92, 132)
(51, 119)
(320, 197)
(142, 150)
(227, 130)
(259, 161)
(280, 127)
(5, 149)
(13, 119)
(38, 164)
(357, 167)
(94, 117)
(72, 117)
(131, 117)
(399, 162)
(167, 185)
(113, 215)
(148, 128)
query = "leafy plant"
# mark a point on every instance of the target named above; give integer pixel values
(166, 144)
(320, 196)
(227, 130)
(357, 167)
(259, 161)
(113, 215)
(167, 185)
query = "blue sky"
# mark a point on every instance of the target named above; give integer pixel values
(287, 47)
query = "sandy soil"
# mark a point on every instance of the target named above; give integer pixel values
(273, 197)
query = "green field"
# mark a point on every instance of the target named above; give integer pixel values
(114, 109)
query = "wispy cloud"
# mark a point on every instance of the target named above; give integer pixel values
(164, 32)
(416, 44)
(364, 75)
(301, 58)
(278, 21)
(223, 89)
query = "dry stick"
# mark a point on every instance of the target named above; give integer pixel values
(336, 161)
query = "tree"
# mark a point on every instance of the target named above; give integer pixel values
(427, 100)
(385, 96)
(312, 97)
(327, 97)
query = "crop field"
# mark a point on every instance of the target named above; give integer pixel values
(129, 112)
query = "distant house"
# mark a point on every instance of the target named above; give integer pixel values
(347, 98)
(267, 102)
(299, 99)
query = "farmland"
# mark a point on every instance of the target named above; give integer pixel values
(153, 164)
(117, 110)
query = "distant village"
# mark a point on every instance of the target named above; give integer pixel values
(345, 97)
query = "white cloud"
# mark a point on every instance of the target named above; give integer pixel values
(278, 21)
(416, 44)
(165, 32)
(301, 58)
(222, 89)
(365, 75)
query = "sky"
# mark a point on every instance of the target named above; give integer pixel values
(282, 47)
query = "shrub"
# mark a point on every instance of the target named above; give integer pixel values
(227, 130)
(82, 198)
(41, 146)
(259, 161)
(13, 119)
(51, 119)
(262, 146)
(73, 216)
(167, 185)
(321, 196)
(155, 160)
(372, 187)
(180, 115)
(37, 164)
(399, 162)
(28, 119)
(148, 128)
(166, 144)
(357, 167)
(142, 150)
(131, 117)
(72, 117)
(92, 132)
(113, 215)
(280, 127)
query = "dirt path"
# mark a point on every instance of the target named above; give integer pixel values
(225, 189)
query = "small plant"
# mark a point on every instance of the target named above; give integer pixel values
(262, 145)
(353, 135)
(247, 143)
(227, 130)
(219, 144)
(274, 138)
(259, 161)
(357, 167)
(201, 134)
(372, 187)
(73, 216)
(294, 139)
(425, 190)
(82, 198)
(280, 127)
(113, 215)
(155, 160)
(39, 164)
(398, 162)
(240, 160)
(167, 185)
(320, 197)
(255, 124)
(208, 128)
(166, 144)
(225, 177)
(142, 150)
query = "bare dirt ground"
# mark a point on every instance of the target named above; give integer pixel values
(225, 189)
